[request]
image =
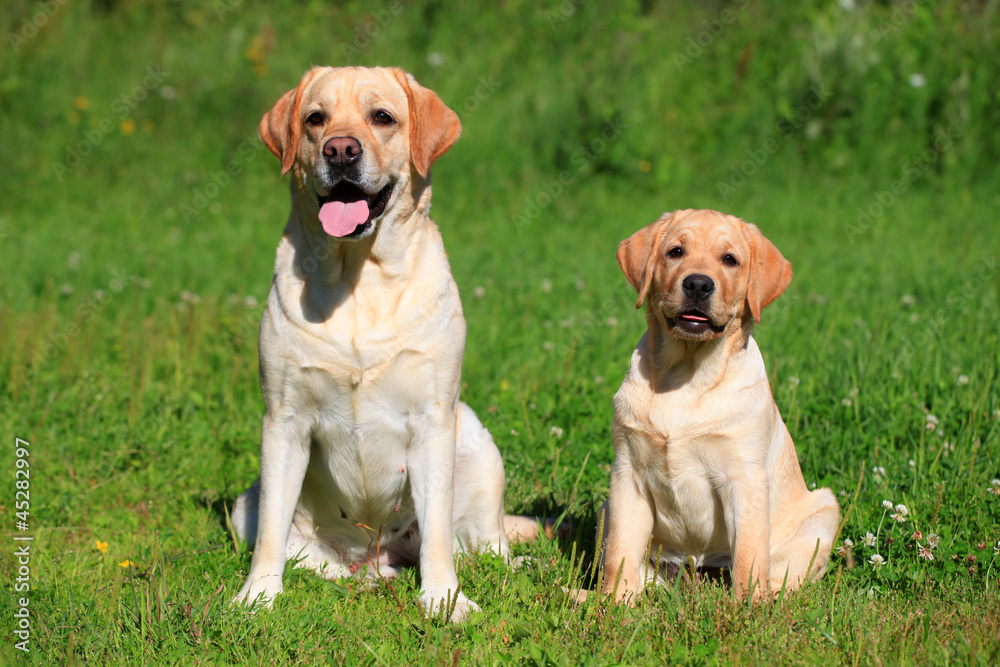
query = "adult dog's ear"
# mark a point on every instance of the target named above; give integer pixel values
(637, 255)
(281, 128)
(770, 272)
(434, 128)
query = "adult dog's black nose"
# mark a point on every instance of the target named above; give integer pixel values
(342, 151)
(698, 286)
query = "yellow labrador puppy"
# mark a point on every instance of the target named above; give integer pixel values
(704, 466)
(368, 459)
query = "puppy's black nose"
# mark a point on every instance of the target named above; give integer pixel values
(342, 151)
(698, 286)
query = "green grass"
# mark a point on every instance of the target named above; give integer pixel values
(128, 326)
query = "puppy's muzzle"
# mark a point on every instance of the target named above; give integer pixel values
(693, 319)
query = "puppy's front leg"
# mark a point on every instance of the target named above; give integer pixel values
(431, 461)
(629, 526)
(284, 457)
(748, 518)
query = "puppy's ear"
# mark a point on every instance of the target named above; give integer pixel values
(280, 127)
(770, 272)
(637, 255)
(434, 128)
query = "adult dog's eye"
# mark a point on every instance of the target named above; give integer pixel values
(730, 260)
(314, 119)
(675, 252)
(382, 117)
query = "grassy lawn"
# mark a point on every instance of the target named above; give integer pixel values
(137, 233)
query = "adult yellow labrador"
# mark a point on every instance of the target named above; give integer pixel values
(704, 466)
(368, 459)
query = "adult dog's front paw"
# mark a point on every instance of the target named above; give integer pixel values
(437, 601)
(257, 593)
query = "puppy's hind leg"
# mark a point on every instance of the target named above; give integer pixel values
(804, 555)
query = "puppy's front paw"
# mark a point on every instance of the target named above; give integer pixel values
(437, 601)
(257, 593)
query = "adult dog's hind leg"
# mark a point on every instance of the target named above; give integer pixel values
(479, 487)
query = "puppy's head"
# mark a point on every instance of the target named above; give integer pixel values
(703, 271)
(356, 139)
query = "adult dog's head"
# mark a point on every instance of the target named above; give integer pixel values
(704, 272)
(360, 143)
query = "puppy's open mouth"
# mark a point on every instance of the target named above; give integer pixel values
(348, 210)
(693, 322)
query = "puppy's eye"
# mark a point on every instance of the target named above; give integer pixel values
(382, 117)
(730, 260)
(675, 252)
(314, 119)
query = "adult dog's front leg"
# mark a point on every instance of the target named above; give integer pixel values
(431, 460)
(284, 456)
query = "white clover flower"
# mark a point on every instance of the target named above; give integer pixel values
(996, 414)
(868, 539)
(899, 516)
(73, 261)
(901, 509)
(908, 300)
(548, 345)
(612, 321)
(931, 419)
(794, 380)
(853, 393)
(435, 59)
(580, 285)
(924, 552)
(514, 432)
(933, 539)
(846, 402)
(963, 380)
(250, 301)
(887, 504)
(66, 289)
(911, 463)
(556, 431)
(848, 542)
(479, 291)
(917, 80)
(996, 549)
(546, 285)
(876, 561)
(599, 379)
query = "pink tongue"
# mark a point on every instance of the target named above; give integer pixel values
(340, 218)
(694, 318)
